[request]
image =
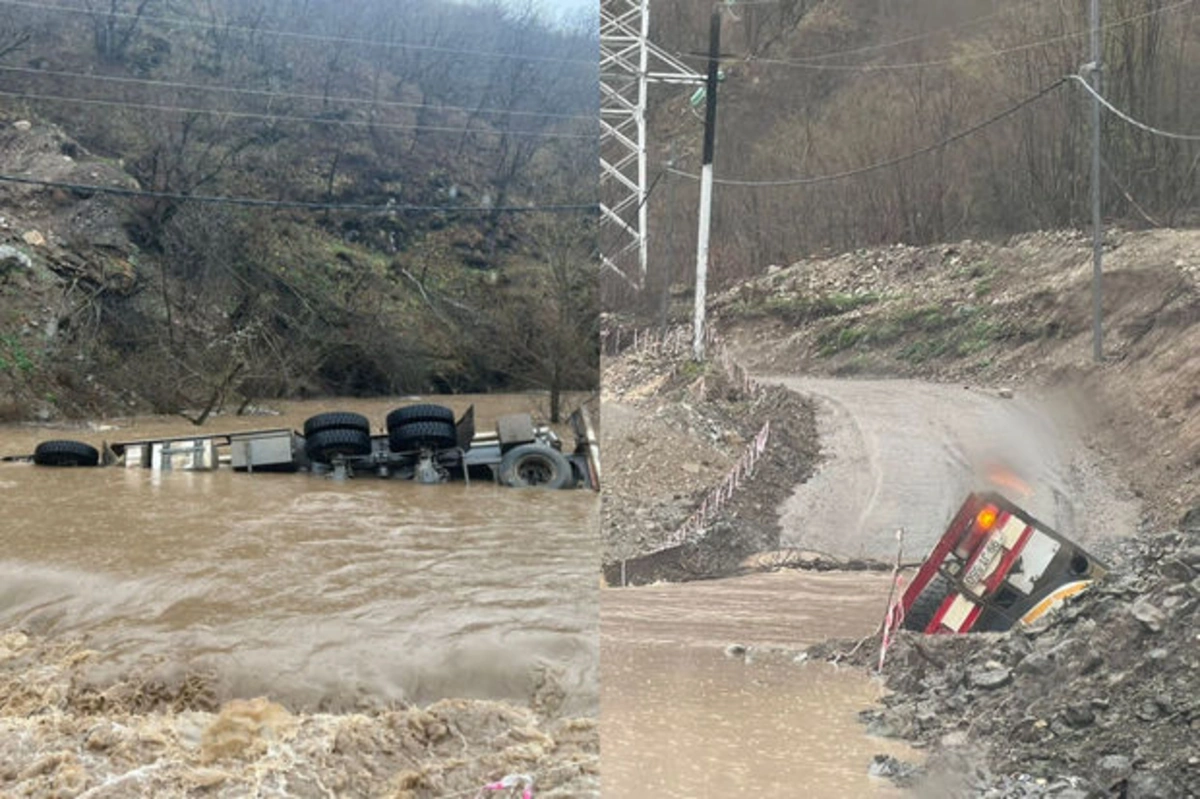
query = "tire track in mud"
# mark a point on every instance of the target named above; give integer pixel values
(903, 453)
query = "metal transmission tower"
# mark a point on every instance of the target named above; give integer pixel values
(628, 63)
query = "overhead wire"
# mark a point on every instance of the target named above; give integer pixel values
(945, 62)
(1129, 198)
(390, 207)
(315, 37)
(1006, 9)
(290, 118)
(962, 134)
(1128, 119)
(271, 93)
(296, 204)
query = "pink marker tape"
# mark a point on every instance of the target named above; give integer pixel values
(512, 781)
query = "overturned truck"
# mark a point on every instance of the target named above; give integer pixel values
(995, 566)
(424, 443)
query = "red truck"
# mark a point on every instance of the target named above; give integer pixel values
(994, 567)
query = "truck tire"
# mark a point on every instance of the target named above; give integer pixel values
(323, 445)
(422, 435)
(419, 413)
(65, 453)
(533, 465)
(927, 603)
(336, 420)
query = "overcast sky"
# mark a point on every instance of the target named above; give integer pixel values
(563, 10)
(571, 9)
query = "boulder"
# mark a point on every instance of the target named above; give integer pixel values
(12, 258)
(989, 677)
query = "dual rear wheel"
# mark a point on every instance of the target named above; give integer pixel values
(66, 453)
(328, 435)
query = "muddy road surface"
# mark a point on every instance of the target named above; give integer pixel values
(324, 596)
(904, 453)
(686, 716)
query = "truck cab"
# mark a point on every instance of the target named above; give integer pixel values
(996, 566)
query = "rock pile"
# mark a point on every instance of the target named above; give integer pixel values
(1101, 700)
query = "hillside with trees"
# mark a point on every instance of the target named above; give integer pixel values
(210, 202)
(816, 89)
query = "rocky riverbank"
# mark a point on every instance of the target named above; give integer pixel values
(164, 736)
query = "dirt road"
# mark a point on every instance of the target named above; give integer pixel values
(902, 453)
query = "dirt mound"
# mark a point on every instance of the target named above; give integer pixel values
(138, 739)
(672, 430)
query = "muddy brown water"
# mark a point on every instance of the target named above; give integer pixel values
(681, 718)
(321, 594)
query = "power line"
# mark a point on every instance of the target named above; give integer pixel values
(916, 37)
(314, 37)
(945, 62)
(893, 161)
(120, 79)
(289, 118)
(297, 204)
(1125, 117)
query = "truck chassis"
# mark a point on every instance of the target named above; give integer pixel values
(424, 443)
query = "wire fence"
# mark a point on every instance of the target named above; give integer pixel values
(710, 508)
(670, 341)
(676, 342)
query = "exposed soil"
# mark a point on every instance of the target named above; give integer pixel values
(147, 736)
(671, 431)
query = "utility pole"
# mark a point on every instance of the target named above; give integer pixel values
(1097, 224)
(706, 184)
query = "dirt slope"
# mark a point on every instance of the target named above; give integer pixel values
(671, 431)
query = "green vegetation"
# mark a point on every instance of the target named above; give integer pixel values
(691, 370)
(928, 332)
(798, 308)
(13, 356)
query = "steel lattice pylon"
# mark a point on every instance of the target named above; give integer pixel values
(628, 63)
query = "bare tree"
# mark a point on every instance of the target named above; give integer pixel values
(13, 38)
(116, 24)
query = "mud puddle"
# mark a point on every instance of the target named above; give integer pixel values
(686, 717)
(317, 593)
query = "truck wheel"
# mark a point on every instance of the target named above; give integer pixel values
(323, 445)
(927, 603)
(419, 413)
(422, 435)
(65, 453)
(534, 465)
(336, 420)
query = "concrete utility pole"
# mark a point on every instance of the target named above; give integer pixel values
(1097, 224)
(706, 184)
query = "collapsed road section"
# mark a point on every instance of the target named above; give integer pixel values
(424, 443)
